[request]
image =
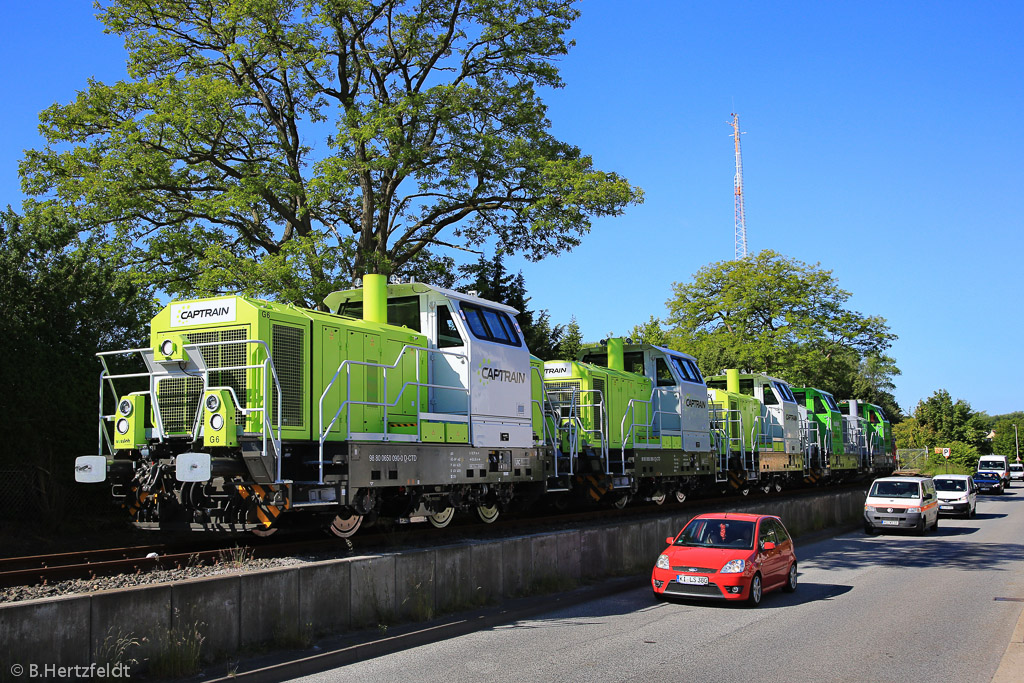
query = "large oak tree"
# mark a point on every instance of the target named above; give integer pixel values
(283, 147)
(769, 313)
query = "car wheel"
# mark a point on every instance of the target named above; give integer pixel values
(935, 527)
(660, 597)
(922, 528)
(754, 599)
(974, 510)
(791, 582)
(869, 529)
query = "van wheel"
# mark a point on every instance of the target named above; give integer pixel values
(935, 527)
(922, 528)
(869, 529)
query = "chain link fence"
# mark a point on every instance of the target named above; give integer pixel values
(911, 458)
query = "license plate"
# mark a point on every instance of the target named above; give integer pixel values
(692, 580)
(945, 507)
(890, 522)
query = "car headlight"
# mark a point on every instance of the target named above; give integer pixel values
(122, 426)
(734, 567)
(125, 407)
(167, 347)
(914, 510)
(869, 508)
(212, 402)
(662, 562)
(217, 422)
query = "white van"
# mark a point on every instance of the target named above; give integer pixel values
(999, 464)
(901, 503)
(957, 494)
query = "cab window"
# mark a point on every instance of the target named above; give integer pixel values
(819, 407)
(769, 397)
(665, 378)
(784, 392)
(404, 312)
(747, 387)
(488, 324)
(694, 370)
(684, 369)
(447, 334)
(831, 402)
(634, 362)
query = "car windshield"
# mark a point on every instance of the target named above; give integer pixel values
(950, 485)
(894, 489)
(986, 475)
(721, 533)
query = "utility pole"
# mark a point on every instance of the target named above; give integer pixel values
(740, 219)
(1016, 441)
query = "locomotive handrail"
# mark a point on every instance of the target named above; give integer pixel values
(347, 364)
(267, 366)
(543, 416)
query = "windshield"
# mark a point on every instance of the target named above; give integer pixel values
(950, 485)
(894, 489)
(986, 475)
(1017, 468)
(721, 533)
(990, 465)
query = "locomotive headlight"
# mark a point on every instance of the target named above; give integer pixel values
(216, 422)
(662, 562)
(122, 426)
(212, 402)
(167, 347)
(125, 408)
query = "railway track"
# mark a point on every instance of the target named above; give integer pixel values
(89, 564)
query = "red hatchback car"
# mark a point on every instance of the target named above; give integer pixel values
(727, 556)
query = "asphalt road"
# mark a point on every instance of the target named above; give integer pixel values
(883, 608)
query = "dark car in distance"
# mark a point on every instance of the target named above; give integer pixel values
(988, 482)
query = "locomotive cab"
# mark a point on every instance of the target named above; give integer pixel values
(479, 367)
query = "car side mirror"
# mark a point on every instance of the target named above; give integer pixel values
(670, 540)
(768, 545)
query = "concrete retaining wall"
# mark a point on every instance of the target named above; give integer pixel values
(286, 606)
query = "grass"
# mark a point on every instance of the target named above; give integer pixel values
(179, 653)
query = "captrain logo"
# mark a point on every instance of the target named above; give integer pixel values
(203, 313)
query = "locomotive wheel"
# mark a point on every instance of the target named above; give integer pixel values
(621, 501)
(344, 527)
(264, 533)
(658, 498)
(442, 519)
(487, 514)
(680, 496)
(778, 486)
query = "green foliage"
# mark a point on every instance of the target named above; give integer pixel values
(952, 421)
(912, 434)
(1007, 441)
(768, 313)
(649, 332)
(572, 341)
(280, 148)
(60, 302)
(963, 458)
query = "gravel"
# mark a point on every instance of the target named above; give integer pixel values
(156, 576)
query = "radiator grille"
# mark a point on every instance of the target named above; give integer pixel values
(564, 395)
(287, 350)
(179, 396)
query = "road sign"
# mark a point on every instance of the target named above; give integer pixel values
(945, 453)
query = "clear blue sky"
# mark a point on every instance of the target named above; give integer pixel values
(882, 140)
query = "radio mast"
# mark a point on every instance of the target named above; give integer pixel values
(740, 217)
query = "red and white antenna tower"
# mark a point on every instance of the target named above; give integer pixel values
(741, 219)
